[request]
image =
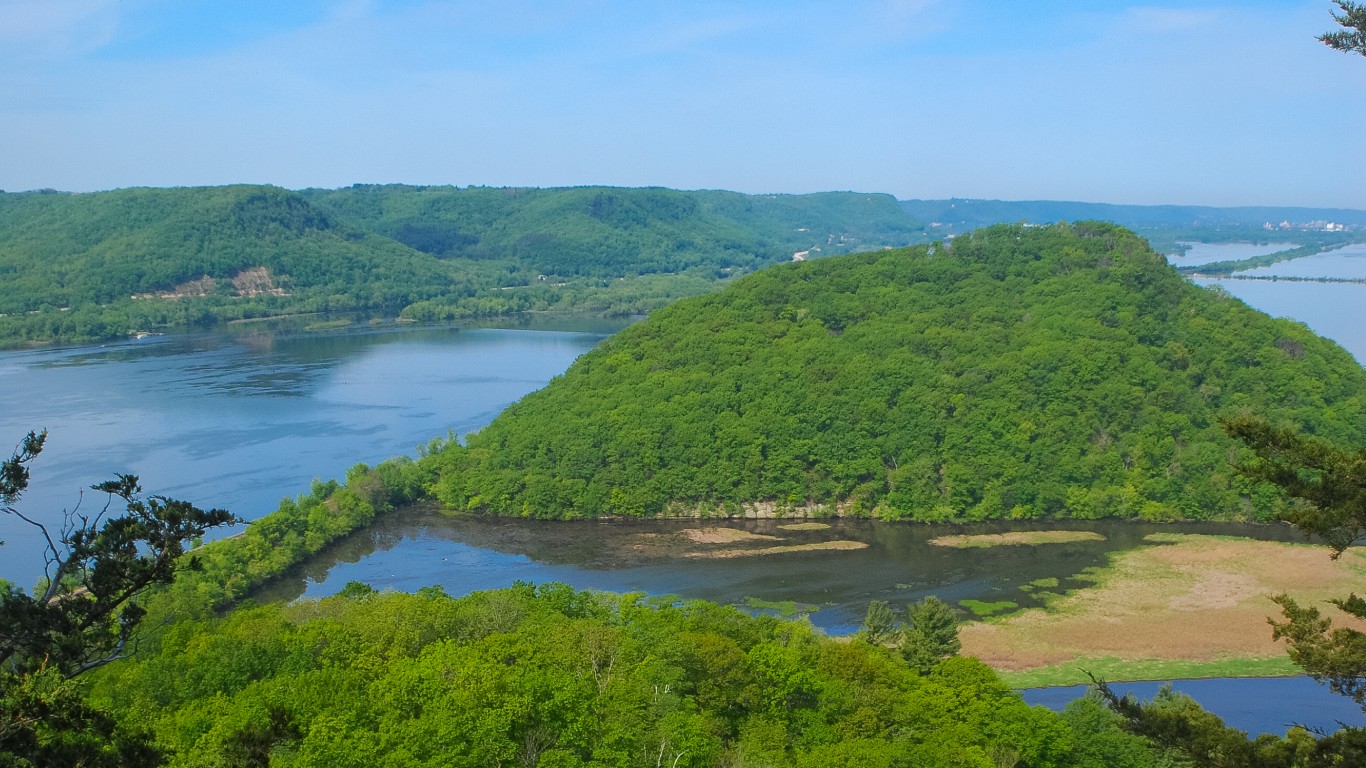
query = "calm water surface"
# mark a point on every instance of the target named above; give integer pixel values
(1206, 253)
(242, 419)
(1255, 705)
(1347, 263)
(1333, 310)
(899, 562)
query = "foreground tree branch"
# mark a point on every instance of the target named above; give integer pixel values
(97, 566)
(1352, 37)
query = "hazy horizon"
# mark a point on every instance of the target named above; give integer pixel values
(1187, 102)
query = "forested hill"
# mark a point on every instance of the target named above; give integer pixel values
(606, 231)
(101, 265)
(1019, 372)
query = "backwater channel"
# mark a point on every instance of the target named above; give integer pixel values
(247, 415)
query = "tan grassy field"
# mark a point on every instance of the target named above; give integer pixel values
(818, 546)
(1015, 538)
(724, 536)
(717, 542)
(805, 527)
(1202, 599)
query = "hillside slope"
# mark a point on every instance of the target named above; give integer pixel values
(1019, 372)
(93, 266)
(611, 231)
(96, 265)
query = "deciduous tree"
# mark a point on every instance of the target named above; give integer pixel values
(84, 614)
(1330, 481)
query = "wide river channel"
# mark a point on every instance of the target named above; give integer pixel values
(245, 416)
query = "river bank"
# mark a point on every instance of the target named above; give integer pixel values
(1043, 601)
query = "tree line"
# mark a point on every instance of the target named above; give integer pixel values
(95, 266)
(1020, 372)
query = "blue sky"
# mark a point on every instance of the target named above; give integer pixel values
(1189, 101)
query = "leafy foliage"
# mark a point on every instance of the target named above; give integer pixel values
(1332, 654)
(98, 569)
(1330, 479)
(1020, 372)
(45, 722)
(549, 676)
(927, 637)
(231, 569)
(1178, 725)
(930, 635)
(1331, 483)
(101, 265)
(611, 232)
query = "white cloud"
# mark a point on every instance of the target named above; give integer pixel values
(1153, 19)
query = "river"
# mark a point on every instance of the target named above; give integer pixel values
(1334, 310)
(246, 416)
(242, 417)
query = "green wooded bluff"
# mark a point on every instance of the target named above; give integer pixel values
(1019, 372)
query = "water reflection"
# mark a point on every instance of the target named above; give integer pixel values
(418, 547)
(242, 418)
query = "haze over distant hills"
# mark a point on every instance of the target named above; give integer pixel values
(961, 215)
(103, 265)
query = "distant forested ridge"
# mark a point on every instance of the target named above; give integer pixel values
(102, 265)
(1165, 226)
(1018, 372)
(971, 214)
(610, 232)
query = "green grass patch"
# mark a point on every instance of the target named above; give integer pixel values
(1121, 670)
(1044, 583)
(784, 608)
(327, 325)
(982, 609)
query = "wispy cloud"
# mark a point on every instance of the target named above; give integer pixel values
(908, 19)
(1154, 19)
(45, 28)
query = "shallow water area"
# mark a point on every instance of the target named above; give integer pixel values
(897, 562)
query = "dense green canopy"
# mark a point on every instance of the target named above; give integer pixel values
(551, 677)
(1021, 371)
(101, 265)
(611, 232)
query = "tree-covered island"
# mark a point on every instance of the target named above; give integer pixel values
(1018, 372)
